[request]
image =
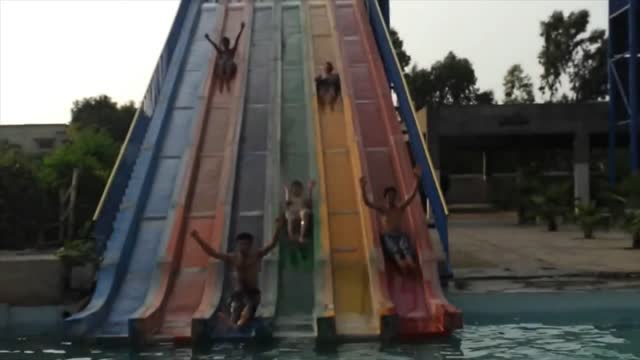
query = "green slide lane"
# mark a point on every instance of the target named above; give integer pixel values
(296, 294)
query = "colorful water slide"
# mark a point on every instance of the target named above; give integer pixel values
(143, 217)
(419, 302)
(187, 282)
(296, 301)
(346, 232)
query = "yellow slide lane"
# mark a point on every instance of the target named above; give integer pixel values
(347, 224)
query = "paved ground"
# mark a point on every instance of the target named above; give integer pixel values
(491, 248)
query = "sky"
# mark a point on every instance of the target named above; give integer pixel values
(53, 52)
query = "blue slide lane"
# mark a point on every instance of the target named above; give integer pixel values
(144, 219)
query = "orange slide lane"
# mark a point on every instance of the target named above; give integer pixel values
(419, 302)
(190, 280)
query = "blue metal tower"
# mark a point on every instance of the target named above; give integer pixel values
(623, 64)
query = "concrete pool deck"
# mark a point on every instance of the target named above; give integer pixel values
(490, 252)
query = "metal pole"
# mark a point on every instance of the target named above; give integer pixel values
(386, 11)
(72, 202)
(613, 99)
(633, 82)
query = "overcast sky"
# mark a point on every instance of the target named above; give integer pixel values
(55, 51)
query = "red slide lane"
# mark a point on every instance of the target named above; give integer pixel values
(419, 302)
(188, 277)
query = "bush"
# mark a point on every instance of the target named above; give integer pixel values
(589, 217)
(552, 201)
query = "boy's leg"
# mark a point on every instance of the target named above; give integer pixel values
(407, 252)
(305, 217)
(236, 309)
(333, 98)
(218, 72)
(251, 302)
(291, 218)
(390, 245)
(246, 315)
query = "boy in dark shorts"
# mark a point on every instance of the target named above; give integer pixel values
(396, 244)
(244, 266)
(328, 86)
(226, 68)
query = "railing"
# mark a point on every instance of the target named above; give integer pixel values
(114, 191)
(421, 155)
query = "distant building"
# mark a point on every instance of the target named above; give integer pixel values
(34, 138)
(482, 147)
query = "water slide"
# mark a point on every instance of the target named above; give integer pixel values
(187, 283)
(142, 219)
(419, 302)
(226, 176)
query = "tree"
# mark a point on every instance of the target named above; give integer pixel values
(93, 153)
(568, 50)
(518, 87)
(449, 81)
(485, 97)
(420, 83)
(398, 46)
(102, 113)
(26, 208)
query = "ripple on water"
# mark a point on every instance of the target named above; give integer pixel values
(481, 342)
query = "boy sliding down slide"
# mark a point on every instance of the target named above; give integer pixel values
(298, 209)
(395, 243)
(226, 68)
(244, 266)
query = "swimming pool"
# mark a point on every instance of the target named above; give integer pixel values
(602, 326)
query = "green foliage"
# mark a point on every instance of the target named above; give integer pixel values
(552, 201)
(632, 225)
(398, 46)
(529, 181)
(102, 113)
(78, 252)
(94, 154)
(88, 150)
(569, 51)
(485, 97)
(25, 204)
(454, 79)
(589, 217)
(450, 81)
(518, 87)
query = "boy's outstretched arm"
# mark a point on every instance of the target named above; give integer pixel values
(206, 36)
(312, 184)
(414, 192)
(274, 239)
(208, 249)
(365, 197)
(235, 43)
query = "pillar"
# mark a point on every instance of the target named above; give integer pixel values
(581, 176)
(633, 83)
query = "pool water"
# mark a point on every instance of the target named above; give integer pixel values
(506, 341)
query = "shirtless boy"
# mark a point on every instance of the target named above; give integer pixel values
(226, 68)
(298, 209)
(328, 86)
(244, 266)
(396, 243)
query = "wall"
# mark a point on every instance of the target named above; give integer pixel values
(30, 280)
(34, 139)
(522, 119)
